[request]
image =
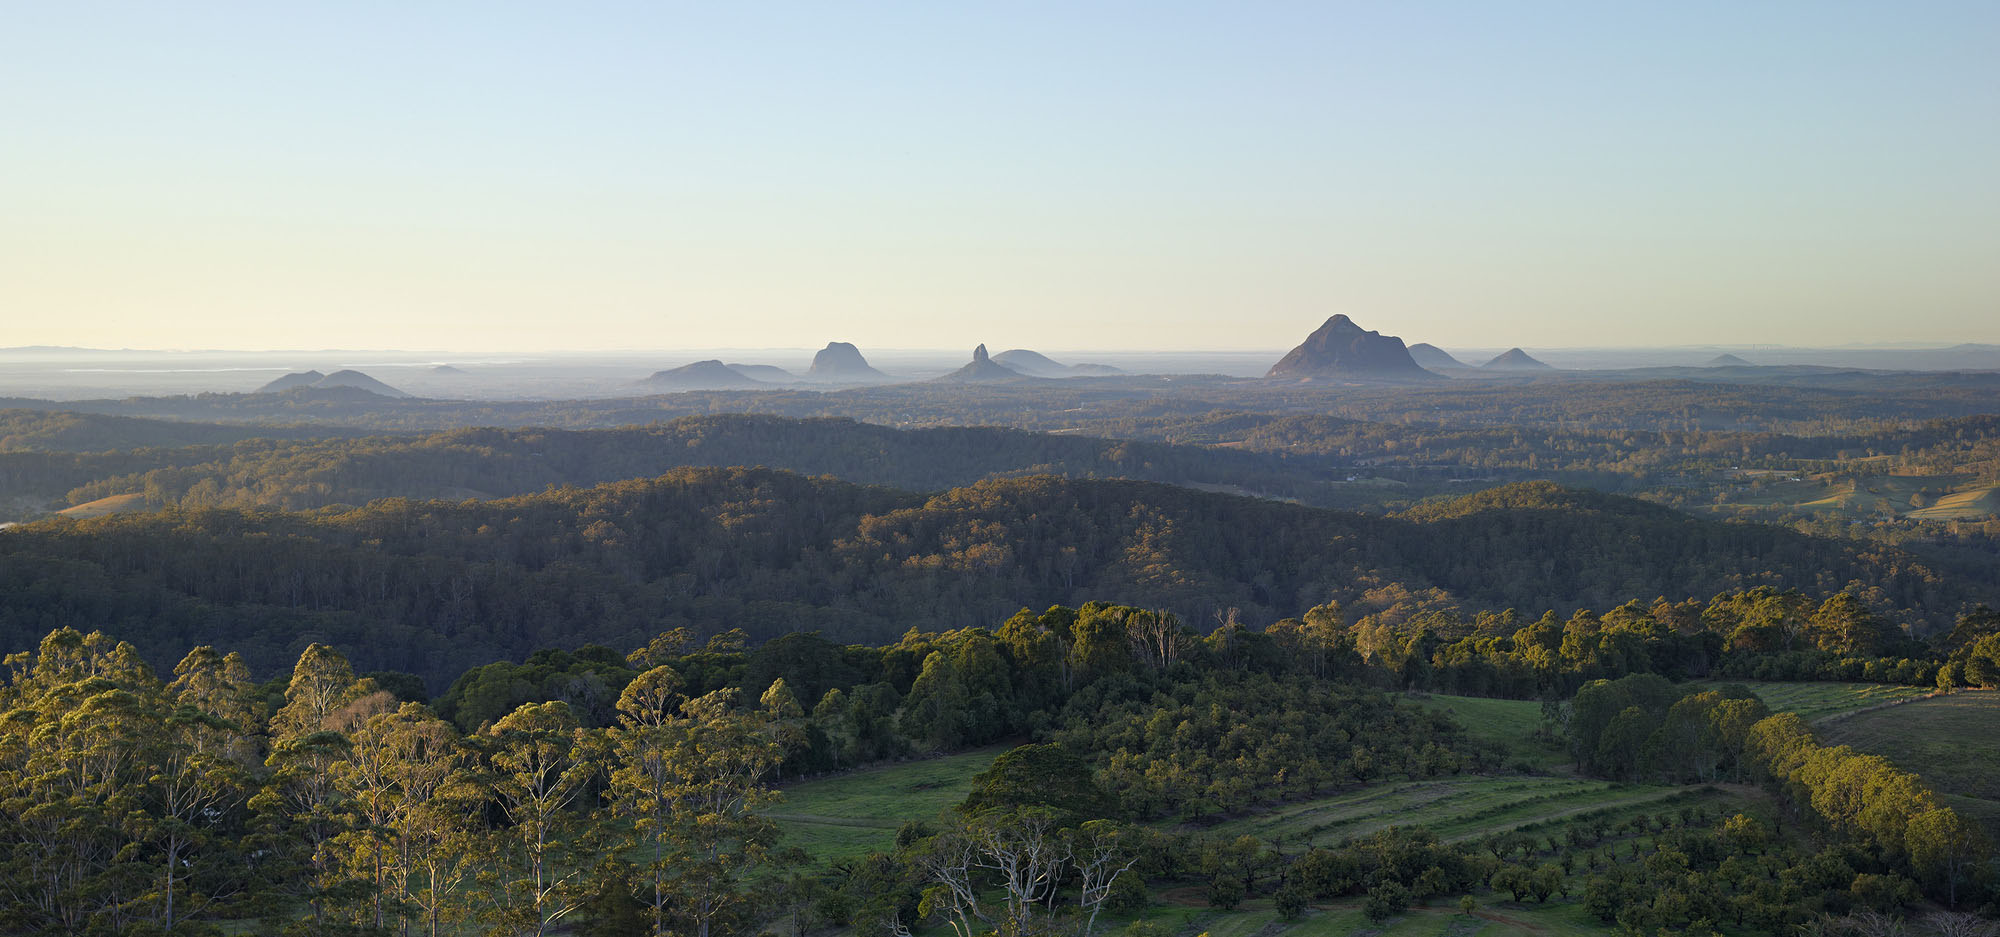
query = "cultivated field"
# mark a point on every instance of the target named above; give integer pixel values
(1470, 807)
(847, 816)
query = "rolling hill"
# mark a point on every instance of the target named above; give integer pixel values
(450, 584)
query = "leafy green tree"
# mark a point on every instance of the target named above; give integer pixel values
(1385, 900)
(692, 782)
(1045, 776)
(1945, 849)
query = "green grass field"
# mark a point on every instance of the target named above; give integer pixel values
(853, 814)
(1509, 723)
(1948, 740)
(1819, 701)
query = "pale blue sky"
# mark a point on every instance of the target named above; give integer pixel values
(1058, 175)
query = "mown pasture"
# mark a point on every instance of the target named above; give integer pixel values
(1948, 740)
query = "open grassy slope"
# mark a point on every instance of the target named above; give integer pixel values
(853, 814)
(1926, 497)
(1820, 701)
(1951, 741)
(116, 504)
(1512, 724)
(1962, 505)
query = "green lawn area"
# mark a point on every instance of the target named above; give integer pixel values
(853, 814)
(1818, 700)
(1950, 741)
(1509, 723)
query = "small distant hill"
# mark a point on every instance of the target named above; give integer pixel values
(1514, 359)
(289, 381)
(768, 373)
(1428, 355)
(982, 369)
(313, 380)
(840, 361)
(1727, 361)
(1342, 350)
(445, 370)
(702, 375)
(358, 381)
(1036, 364)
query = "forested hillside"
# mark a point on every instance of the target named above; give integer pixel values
(451, 584)
(492, 462)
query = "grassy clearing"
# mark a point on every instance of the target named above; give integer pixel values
(1962, 505)
(1948, 740)
(1510, 724)
(116, 504)
(853, 814)
(1817, 701)
(1957, 496)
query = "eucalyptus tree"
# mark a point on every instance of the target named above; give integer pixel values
(690, 775)
(80, 732)
(540, 764)
(303, 809)
(206, 773)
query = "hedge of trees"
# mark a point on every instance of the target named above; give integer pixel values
(1642, 727)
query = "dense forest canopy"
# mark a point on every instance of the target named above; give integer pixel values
(1931, 487)
(452, 584)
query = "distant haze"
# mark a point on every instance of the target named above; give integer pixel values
(1047, 176)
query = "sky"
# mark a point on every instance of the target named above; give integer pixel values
(535, 176)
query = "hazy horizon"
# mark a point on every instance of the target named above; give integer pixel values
(1044, 176)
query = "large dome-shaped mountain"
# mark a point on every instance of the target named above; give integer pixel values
(1341, 350)
(840, 361)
